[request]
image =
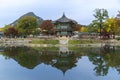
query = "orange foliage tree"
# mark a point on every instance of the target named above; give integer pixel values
(47, 27)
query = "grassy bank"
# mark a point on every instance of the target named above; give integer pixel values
(83, 41)
(46, 48)
(48, 41)
(38, 41)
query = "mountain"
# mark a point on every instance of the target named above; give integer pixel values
(28, 14)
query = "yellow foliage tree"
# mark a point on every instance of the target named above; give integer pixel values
(83, 29)
(110, 25)
(1, 29)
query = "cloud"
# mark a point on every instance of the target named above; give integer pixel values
(6, 3)
(80, 10)
(61, 3)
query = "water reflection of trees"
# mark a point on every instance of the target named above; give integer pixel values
(100, 65)
(102, 58)
(30, 57)
(25, 56)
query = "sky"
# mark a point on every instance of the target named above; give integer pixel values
(80, 10)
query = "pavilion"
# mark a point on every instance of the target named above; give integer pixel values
(64, 26)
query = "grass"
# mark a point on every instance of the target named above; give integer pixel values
(46, 48)
(83, 41)
(118, 38)
(38, 41)
(53, 42)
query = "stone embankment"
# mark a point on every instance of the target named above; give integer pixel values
(62, 41)
(14, 41)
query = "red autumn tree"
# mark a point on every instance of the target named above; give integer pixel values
(47, 26)
(11, 32)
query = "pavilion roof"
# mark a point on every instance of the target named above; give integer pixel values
(65, 19)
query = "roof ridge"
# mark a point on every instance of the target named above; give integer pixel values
(65, 19)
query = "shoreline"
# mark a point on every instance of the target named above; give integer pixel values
(27, 42)
(57, 45)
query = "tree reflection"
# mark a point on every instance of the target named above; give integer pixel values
(105, 58)
(31, 57)
(102, 58)
(100, 65)
(25, 56)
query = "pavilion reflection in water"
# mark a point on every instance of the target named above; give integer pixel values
(29, 57)
(64, 58)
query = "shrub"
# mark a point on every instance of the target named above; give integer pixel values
(118, 38)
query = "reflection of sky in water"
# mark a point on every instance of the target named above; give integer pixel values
(84, 71)
(11, 70)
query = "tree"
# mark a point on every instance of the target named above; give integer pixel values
(27, 25)
(1, 29)
(47, 27)
(11, 32)
(6, 28)
(118, 22)
(118, 15)
(101, 15)
(111, 26)
(83, 29)
(93, 27)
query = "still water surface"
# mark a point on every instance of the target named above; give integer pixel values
(60, 63)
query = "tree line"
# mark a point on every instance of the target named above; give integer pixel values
(28, 25)
(103, 24)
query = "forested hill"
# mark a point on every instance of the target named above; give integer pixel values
(28, 14)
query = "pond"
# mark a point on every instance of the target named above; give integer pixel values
(59, 63)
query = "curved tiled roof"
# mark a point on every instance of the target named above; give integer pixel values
(65, 19)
